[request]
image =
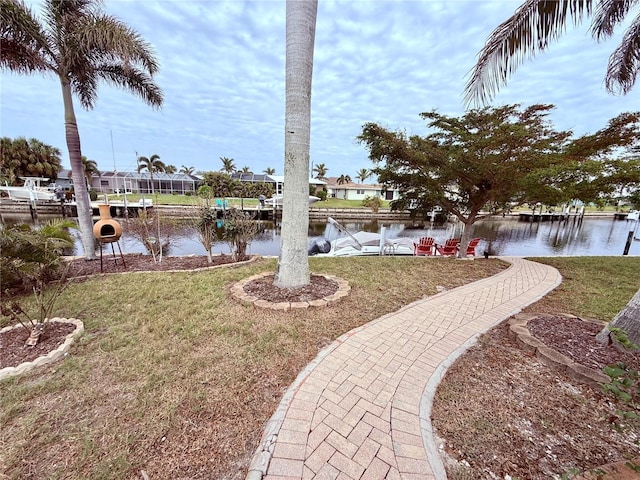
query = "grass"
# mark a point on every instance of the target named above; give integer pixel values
(592, 287)
(166, 199)
(174, 378)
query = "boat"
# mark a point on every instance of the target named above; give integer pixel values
(32, 190)
(359, 244)
(276, 200)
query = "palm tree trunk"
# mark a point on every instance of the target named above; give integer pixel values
(77, 173)
(628, 319)
(293, 262)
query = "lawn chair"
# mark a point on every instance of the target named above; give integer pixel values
(425, 246)
(471, 248)
(450, 247)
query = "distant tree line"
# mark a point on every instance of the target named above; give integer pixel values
(224, 186)
(27, 158)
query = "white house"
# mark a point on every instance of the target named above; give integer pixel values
(358, 191)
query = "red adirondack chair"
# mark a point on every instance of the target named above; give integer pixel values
(449, 248)
(425, 246)
(471, 248)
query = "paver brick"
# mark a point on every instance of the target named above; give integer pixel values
(356, 414)
(341, 444)
(377, 470)
(346, 465)
(366, 453)
(320, 457)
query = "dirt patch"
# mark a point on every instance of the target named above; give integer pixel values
(501, 413)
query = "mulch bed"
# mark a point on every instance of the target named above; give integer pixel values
(12, 349)
(263, 288)
(577, 340)
(81, 267)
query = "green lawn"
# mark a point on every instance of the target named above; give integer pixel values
(173, 377)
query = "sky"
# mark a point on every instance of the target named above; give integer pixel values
(222, 69)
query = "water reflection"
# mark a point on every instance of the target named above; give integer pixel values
(500, 236)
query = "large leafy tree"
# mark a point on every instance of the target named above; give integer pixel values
(23, 158)
(221, 184)
(151, 164)
(79, 45)
(536, 23)
(293, 261)
(492, 158)
(532, 27)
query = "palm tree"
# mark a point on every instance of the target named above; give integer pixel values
(44, 160)
(170, 169)
(246, 169)
(293, 261)
(321, 171)
(153, 164)
(269, 171)
(90, 168)
(22, 157)
(530, 29)
(535, 23)
(228, 166)
(80, 46)
(342, 179)
(187, 170)
(363, 174)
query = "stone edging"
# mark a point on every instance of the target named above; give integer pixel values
(51, 356)
(550, 357)
(237, 291)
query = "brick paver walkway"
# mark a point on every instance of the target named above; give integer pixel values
(361, 409)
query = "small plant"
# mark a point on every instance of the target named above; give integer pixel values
(239, 231)
(30, 260)
(204, 223)
(45, 301)
(153, 232)
(30, 255)
(374, 203)
(625, 386)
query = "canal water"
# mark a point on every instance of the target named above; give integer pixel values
(500, 236)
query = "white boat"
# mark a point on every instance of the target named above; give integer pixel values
(32, 190)
(360, 244)
(633, 215)
(276, 200)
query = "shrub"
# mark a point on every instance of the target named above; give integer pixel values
(30, 256)
(239, 231)
(374, 203)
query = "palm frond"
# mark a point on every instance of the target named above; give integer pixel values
(84, 83)
(624, 62)
(23, 43)
(607, 15)
(533, 26)
(108, 36)
(134, 80)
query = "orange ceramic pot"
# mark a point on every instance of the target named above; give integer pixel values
(106, 230)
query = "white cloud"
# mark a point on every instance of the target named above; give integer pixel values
(222, 72)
